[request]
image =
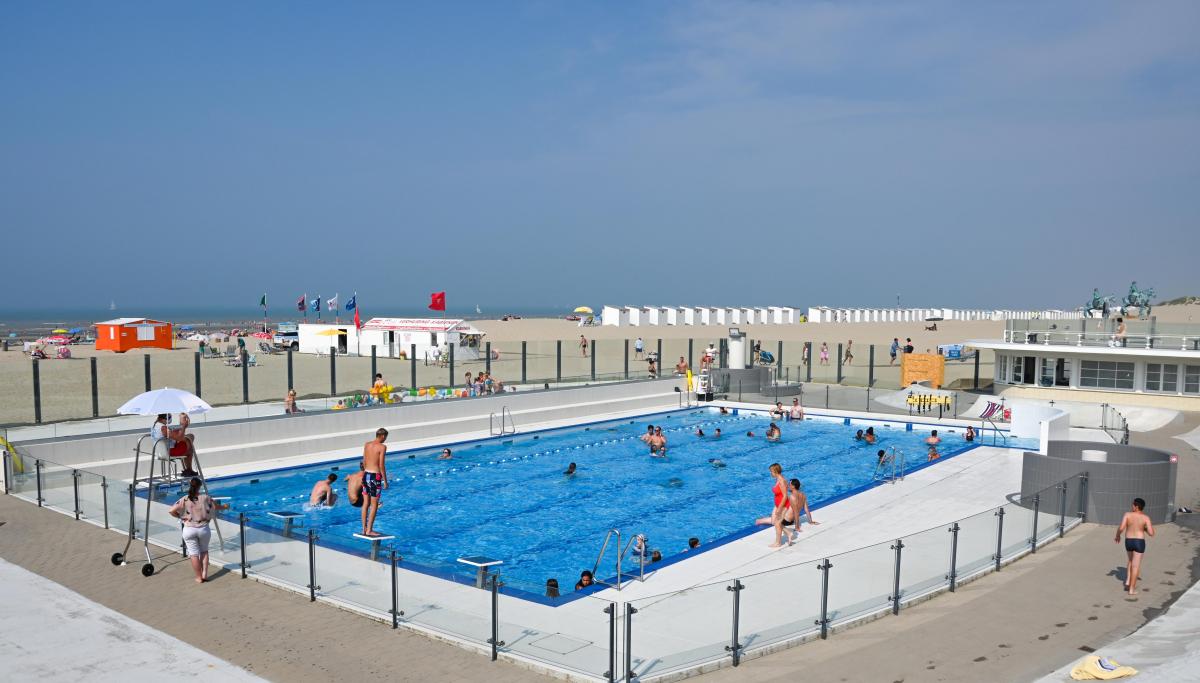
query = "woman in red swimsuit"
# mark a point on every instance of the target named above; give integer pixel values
(781, 504)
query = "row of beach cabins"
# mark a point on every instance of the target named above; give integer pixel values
(637, 316)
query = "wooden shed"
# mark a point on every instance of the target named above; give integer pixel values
(123, 334)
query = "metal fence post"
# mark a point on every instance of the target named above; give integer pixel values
(75, 490)
(808, 360)
(146, 363)
(690, 353)
(291, 383)
(412, 364)
(1062, 509)
(871, 365)
(953, 576)
(868, 399)
(242, 541)
(823, 621)
(734, 647)
(245, 376)
(374, 366)
(38, 475)
(396, 611)
(104, 496)
(495, 641)
(525, 362)
(96, 384)
(593, 343)
(1083, 484)
(778, 358)
(37, 392)
(558, 361)
(827, 396)
(611, 610)
(451, 364)
(626, 359)
(630, 610)
(659, 362)
(333, 371)
(6, 471)
(999, 536)
(956, 405)
(1037, 500)
(976, 385)
(312, 566)
(898, 547)
(487, 363)
(839, 363)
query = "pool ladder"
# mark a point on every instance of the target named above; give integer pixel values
(507, 426)
(641, 575)
(891, 469)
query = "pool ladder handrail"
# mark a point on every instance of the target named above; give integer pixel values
(897, 461)
(507, 425)
(620, 555)
(641, 576)
(996, 431)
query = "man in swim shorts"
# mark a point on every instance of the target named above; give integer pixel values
(374, 479)
(354, 487)
(797, 411)
(322, 492)
(1135, 525)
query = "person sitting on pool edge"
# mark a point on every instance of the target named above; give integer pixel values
(585, 580)
(322, 492)
(773, 432)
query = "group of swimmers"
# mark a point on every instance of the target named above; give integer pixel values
(795, 412)
(867, 436)
(656, 441)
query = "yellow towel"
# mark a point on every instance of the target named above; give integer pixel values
(1094, 668)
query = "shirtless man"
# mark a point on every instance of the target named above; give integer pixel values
(648, 437)
(681, 367)
(659, 442)
(797, 411)
(933, 442)
(1136, 525)
(354, 487)
(1118, 339)
(375, 479)
(322, 492)
(798, 508)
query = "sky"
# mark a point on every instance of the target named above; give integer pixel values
(528, 154)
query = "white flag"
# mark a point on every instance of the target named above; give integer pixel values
(331, 305)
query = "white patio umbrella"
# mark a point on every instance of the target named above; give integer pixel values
(165, 400)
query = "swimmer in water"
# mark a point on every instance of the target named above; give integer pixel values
(674, 483)
(724, 410)
(750, 434)
(869, 436)
(570, 471)
(773, 432)
(717, 434)
(322, 492)
(700, 431)
(446, 454)
(716, 462)
(859, 435)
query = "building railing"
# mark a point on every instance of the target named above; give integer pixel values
(1103, 332)
(607, 639)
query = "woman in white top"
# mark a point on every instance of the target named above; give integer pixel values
(196, 510)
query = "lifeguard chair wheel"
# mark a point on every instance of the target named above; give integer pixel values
(118, 559)
(147, 570)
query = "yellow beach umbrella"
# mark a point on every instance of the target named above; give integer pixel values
(331, 332)
(58, 331)
(584, 309)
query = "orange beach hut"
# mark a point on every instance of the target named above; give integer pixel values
(123, 334)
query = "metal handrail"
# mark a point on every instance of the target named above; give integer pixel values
(996, 431)
(1100, 337)
(603, 549)
(506, 426)
(641, 558)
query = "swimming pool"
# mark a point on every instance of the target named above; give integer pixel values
(507, 498)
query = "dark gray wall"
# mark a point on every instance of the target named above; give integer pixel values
(1131, 472)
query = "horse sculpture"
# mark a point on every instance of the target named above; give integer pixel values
(1139, 299)
(1099, 305)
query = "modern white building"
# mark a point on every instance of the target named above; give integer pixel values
(395, 338)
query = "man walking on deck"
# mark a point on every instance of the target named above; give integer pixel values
(1136, 525)
(374, 479)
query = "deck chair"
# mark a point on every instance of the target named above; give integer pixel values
(251, 360)
(990, 411)
(765, 358)
(266, 348)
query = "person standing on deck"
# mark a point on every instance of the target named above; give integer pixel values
(1136, 525)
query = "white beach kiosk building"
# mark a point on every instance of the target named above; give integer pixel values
(396, 338)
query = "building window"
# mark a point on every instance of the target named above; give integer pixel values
(1018, 370)
(1056, 372)
(1002, 368)
(1191, 379)
(1103, 374)
(1162, 377)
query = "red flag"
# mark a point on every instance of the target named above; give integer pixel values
(300, 303)
(357, 321)
(437, 301)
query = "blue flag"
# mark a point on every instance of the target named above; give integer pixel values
(316, 303)
(352, 303)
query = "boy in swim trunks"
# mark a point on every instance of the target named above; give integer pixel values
(322, 492)
(354, 487)
(374, 479)
(1135, 524)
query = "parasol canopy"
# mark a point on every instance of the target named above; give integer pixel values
(584, 309)
(165, 400)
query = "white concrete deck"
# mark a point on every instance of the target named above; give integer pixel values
(52, 633)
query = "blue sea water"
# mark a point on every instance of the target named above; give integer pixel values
(509, 499)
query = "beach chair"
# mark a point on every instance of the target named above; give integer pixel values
(231, 351)
(251, 360)
(266, 348)
(765, 358)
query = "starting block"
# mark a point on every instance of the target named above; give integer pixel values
(374, 542)
(288, 517)
(481, 565)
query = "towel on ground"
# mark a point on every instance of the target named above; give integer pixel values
(1095, 668)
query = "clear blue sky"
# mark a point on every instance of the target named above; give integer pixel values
(556, 153)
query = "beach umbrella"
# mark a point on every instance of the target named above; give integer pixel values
(58, 331)
(584, 309)
(331, 332)
(186, 327)
(165, 400)
(75, 330)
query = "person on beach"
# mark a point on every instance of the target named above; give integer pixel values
(638, 348)
(797, 411)
(585, 580)
(583, 345)
(1136, 526)
(894, 349)
(681, 368)
(779, 491)
(196, 510)
(777, 413)
(908, 345)
(849, 357)
(824, 353)
(354, 487)
(374, 480)
(773, 432)
(322, 492)
(804, 355)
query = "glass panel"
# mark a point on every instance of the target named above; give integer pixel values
(779, 605)
(574, 636)
(91, 497)
(976, 544)
(57, 487)
(310, 374)
(355, 579)
(681, 629)
(860, 582)
(221, 378)
(118, 505)
(269, 553)
(855, 365)
(1018, 525)
(1048, 513)
(925, 562)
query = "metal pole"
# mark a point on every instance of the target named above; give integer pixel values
(659, 362)
(977, 352)
(1083, 484)
(690, 355)
(524, 362)
(4, 460)
(75, 488)
(1062, 509)
(412, 364)
(839, 363)
(956, 404)
(611, 611)
(451, 366)
(808, 362)
(487, 363)
(593, 343)
(37, 392)
(999, 536)
(898, 547)
(104, 496)
(868, 398)
(38, 467)
(823, 622)
(871, 365)
(779, 355)
(626, 359)
(245, 376)
(96, 384)
(146, 363)
(734, 646)
(312, 566)
(242, 541)
(374, 366)
(630, 610)
(558, 361)
(289, 369)
(395, 594)
(827, 396)
(495, 641)
(333, 371)
(1037, 500)
(954, 529)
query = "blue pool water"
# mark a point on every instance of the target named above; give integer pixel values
(509, 500)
